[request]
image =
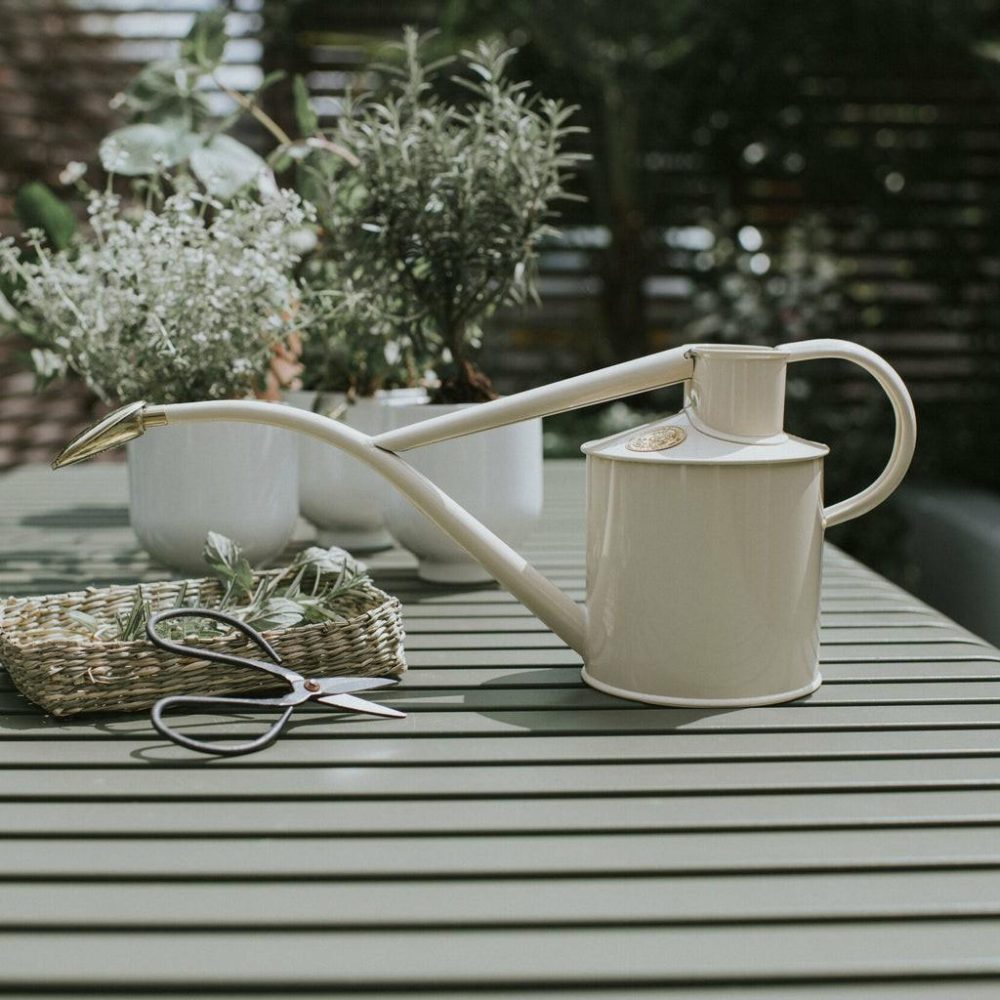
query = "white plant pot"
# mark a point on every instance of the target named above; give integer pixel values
(495, 475)
(339, 495)
(240, 480)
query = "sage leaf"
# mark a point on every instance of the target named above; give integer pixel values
(206, 41)
(37, 207)
(277, 612)
(146, 148)
(224, 556)
(329, 562)
(225, 166)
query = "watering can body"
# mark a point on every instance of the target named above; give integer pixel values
(712, 595)
(704, 530)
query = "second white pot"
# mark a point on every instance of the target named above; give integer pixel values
(339, 495)
(495, 475)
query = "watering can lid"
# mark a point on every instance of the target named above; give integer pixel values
(677, 441)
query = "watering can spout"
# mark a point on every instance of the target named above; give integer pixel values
(117, 428)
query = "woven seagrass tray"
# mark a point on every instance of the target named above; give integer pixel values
(66, 672)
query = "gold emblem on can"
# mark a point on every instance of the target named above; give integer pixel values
(658, 440)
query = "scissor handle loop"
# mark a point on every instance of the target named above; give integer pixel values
(217, 655)
(219, 749)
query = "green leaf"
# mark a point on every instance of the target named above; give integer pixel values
(275, 76)
(38, 208)
(279, 160)
(146, 148)
(226, 558)
(278, 612)
(163, 92)
(305, 116)
(154, 86)
(225, 166)
(329, 562)
(206, 41)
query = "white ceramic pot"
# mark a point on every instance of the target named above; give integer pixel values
(495, 475)
(238, 479)
(339, 495)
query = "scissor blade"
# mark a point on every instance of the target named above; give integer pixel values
(345, 685)
(350, 703)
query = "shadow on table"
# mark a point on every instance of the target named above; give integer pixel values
(574, 708)
(537, 701)
(79, 518)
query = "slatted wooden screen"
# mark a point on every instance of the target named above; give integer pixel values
(916, 230)
(921, 285)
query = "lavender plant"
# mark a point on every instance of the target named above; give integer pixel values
(440, 223)
(188, 302)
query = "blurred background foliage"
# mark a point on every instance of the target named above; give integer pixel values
(762, 170)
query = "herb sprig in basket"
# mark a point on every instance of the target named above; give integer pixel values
(312, 589)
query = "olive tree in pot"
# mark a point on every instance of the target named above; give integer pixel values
(437, 227)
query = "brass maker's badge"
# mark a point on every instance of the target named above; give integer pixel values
(658, 440)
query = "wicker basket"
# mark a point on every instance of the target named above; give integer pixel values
(66, 673)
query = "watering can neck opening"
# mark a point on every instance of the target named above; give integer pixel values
(738, 393)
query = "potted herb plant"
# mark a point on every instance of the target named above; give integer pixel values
(356, 361)
(436, 227)
(185, 292)
(186, 300)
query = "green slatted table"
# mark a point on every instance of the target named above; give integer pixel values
(518, 835)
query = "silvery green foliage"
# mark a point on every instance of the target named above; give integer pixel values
(358, 342)
(171, 127)
(319, 585)
(175, 305)
(440, 223)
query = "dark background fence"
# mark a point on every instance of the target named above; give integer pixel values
(762, 170)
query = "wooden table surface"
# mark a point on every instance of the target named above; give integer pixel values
(519, 834)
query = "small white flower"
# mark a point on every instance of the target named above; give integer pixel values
(267, 185)
(72, 172)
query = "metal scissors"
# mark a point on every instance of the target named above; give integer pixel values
(333, 691)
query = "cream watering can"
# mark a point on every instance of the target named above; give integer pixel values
(704, 529)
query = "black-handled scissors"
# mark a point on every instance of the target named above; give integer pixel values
(333, 691)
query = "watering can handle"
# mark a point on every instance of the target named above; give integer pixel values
(902, 406)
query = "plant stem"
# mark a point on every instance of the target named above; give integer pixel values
(258, 112)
